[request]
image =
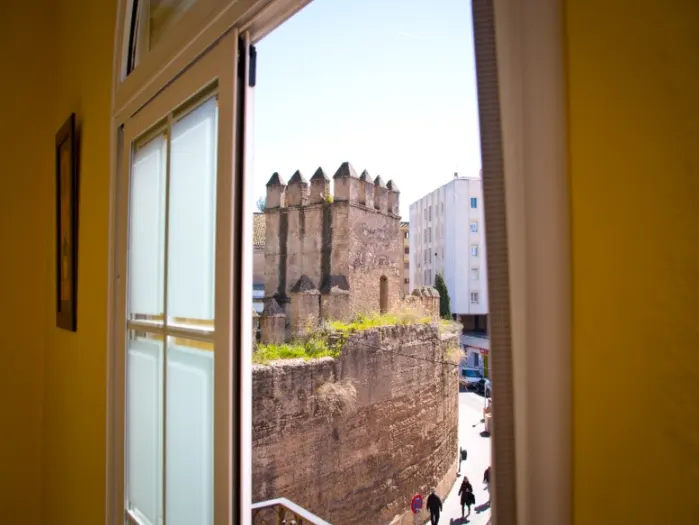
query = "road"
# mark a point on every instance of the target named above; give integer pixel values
(478, 447)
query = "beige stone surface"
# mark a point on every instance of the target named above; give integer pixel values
(364, 463)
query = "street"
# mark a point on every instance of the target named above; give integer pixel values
(478, 447)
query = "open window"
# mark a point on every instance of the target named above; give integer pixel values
(181, 282)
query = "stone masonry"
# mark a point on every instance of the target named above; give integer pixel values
(363, 462)
(333, 254)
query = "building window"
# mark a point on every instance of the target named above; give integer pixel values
(474, 297)
(429, 235)
(407, 250)
(424, 235)
(474, 226)
(406, 281)
(474, 202)
(405, 236)
(474, 250)
(406, 265)
(475, 274)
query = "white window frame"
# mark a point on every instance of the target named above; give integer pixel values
(475, 274)
(473, 226)
(471, 202)
(530, 77)
(474, 297)
(474, 250)
(219, 65)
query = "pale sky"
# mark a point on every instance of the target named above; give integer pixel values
(388, 85)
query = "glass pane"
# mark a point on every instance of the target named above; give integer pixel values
(189, 432)
(144, 427)
(147, 231)
(164, 14)
(192, 216)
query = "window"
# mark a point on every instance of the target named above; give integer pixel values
(424, 234)
(405, 236)
(475, 359)
(474, 250)
(154, 20)
(474, 202)
(474, 226)
(430, 212)
(474, 297)
(173, 223)
(407, 250)
(430, 234)
(475, 274)
(406, 281)
(406, 265)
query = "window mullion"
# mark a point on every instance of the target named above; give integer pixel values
(168, 144)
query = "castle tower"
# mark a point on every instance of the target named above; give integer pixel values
(332, 259)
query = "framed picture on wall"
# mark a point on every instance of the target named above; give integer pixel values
(66, 226)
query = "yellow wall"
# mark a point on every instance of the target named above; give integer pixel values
(57, 59)
(633, 95)
(26, 223)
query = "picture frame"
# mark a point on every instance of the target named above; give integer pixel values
(66, 226)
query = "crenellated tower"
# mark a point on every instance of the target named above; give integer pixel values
(331, 255)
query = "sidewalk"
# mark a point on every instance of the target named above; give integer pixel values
(478, 447)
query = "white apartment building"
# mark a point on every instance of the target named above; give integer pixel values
(447, 236)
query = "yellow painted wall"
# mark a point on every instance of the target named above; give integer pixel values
(633, 98)
(57, 59)
(26, 225)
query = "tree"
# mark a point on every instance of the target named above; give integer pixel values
(261, 204)
(441, 287)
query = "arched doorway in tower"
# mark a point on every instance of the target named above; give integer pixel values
(383, 294)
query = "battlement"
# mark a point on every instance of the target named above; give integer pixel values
(329, 254)
(347, 187)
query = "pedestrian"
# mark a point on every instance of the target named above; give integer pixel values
(434, 505)
(463, 454)
(486, 478)
(467, 496)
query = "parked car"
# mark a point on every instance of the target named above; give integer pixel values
(483, 387)
(470, 378)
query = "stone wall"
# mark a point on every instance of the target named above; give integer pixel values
(361, 463)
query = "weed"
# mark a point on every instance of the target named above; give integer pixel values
(337, 398)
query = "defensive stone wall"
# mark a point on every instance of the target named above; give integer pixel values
(353, 439)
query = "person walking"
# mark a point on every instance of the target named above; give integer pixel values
(467, 496)
(434, 505)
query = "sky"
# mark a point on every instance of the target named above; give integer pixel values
(388, 85)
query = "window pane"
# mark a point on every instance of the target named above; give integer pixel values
(144, 428)
(164, 14)
(189, 432)
(147, 230)
(192, 215)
